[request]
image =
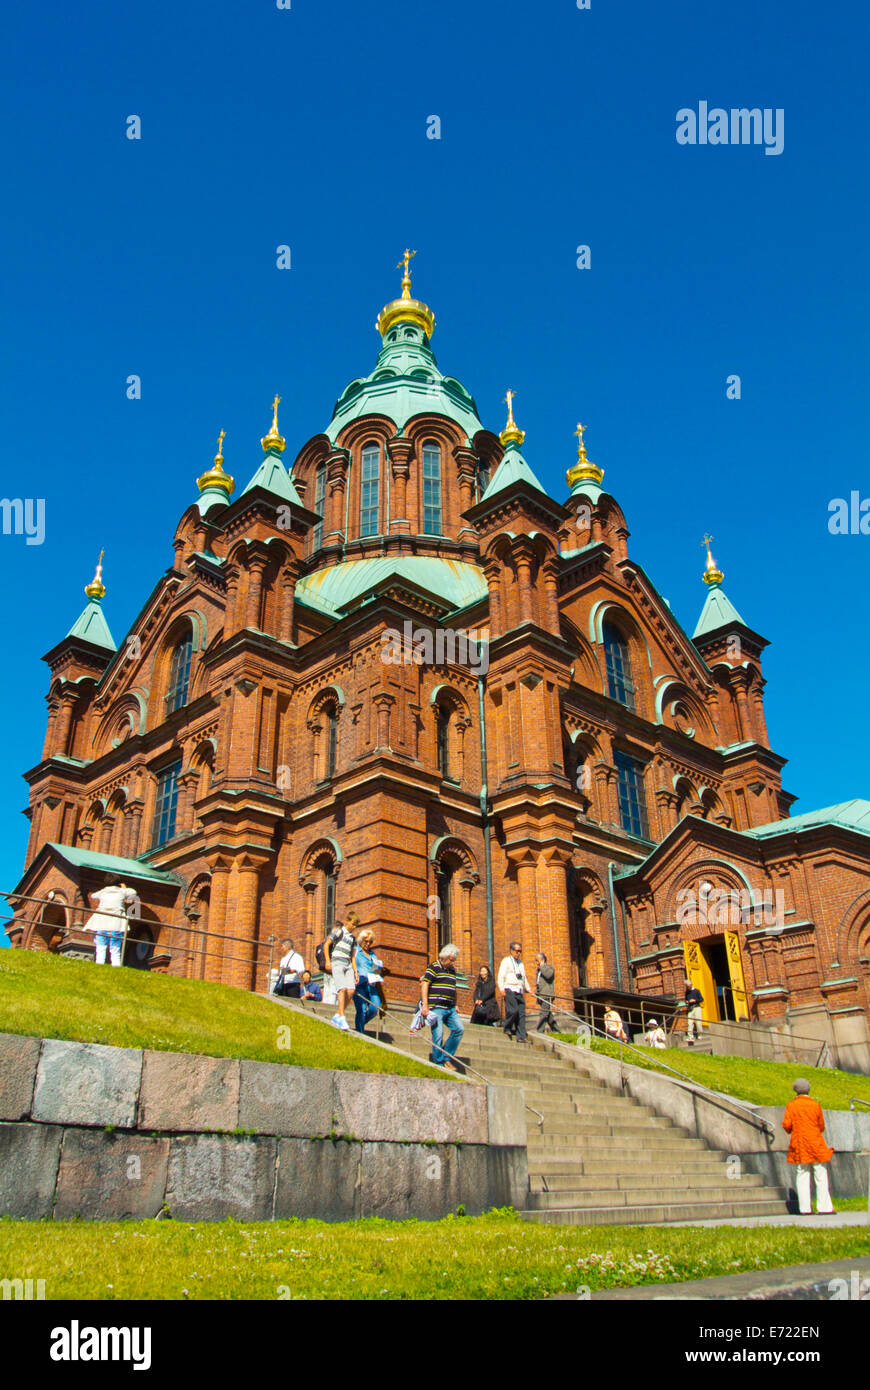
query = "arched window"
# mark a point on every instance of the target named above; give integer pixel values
(482, 479)
(179, 674)
(331, 713)
(166, 807)
(444, 885)
(370, 489)
(631, 794)
(442, 726)
(620, 686)
(431, 489)
(319, 502)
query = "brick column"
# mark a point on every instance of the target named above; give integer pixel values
(493, 573)
(400, 451)
(466, 471)
(309, 887)
(64, 720)
(187, 784)
(383, 704)
(239, 970)
(254, 598)
(217, 920)
(336, 481)
(523, 555)
(550, 615)
(289, 577)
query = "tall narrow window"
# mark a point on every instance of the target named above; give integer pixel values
(319, 503)
(444, 884)
(179, 674)
(620, 686)
(431, 489)
(482, 479)
(328, 901)
(370, 487)
(631, 794)
(442, 718)
(331, 739)
(167, 804)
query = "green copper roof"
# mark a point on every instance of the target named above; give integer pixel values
(330, 590)
(852, 815)
(718, 611)
(111, 864)
(405, 382)
(273, 476)
(92, 627)
(512, 469)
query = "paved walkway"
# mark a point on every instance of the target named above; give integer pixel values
(802, 1282)
(840, 1218)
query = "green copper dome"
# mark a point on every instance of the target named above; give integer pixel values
(405, 382)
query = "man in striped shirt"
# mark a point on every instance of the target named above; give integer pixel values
(439, 1007)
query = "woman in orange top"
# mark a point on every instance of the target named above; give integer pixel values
(805, 1122)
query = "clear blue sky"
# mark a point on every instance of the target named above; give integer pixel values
(307, 126)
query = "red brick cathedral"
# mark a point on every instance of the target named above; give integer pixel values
(398, 677)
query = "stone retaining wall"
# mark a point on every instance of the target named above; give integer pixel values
(107, 1133)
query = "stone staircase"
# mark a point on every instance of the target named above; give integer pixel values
(596, 1157)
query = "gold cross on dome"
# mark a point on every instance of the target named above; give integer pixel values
(509, 402)
(405, 259)
(221, 437)
(581, 447)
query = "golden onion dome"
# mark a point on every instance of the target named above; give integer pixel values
(96, 588)
(584, 470)
(511, 434)
(274, 440)
(216, 477)
(405, 309)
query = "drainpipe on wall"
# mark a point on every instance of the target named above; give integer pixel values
(610, 867)
(484, 817)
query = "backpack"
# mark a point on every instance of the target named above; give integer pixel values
(320, 954)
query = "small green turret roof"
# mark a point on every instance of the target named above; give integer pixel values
(718, 611)
(512, 469)
(92, 627)
(274, 478)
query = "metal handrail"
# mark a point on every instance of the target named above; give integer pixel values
(675, 1013)
(856, 1100)
(714, 1096)
(388, 1013)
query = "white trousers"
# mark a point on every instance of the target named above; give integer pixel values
(802, 1183)
(113, 940)
(693, 1027)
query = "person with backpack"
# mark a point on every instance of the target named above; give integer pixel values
(339, 950)
(545, 992)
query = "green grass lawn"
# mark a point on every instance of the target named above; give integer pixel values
(745, 1078)
(51, 997)
(497, 1256)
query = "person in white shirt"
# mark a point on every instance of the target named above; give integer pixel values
(290, 969)
(513, 985)
(655, 1035)
(115, 904)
